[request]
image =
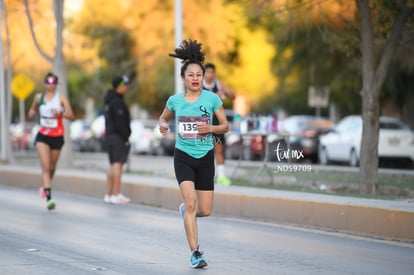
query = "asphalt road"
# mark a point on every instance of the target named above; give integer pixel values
(85, 236)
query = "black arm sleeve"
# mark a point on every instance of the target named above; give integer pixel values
(121, 119)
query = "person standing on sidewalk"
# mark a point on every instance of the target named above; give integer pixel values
(194, 149)
(52, 108)
(214, 85)
(117, 132)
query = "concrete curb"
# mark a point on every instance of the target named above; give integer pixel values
(392, 220)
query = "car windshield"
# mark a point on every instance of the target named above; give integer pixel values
(392, 125)
(349, 124)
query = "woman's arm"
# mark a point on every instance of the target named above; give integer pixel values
(67, 109)
(222, 128)
(227, 91)
(35, 106)
(163, 121)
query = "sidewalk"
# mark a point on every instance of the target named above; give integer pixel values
(392, 220)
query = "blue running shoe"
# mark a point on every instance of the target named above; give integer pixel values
(197, 259)
(181, 209)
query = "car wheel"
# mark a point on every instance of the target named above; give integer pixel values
(353, 158)
(323, 156)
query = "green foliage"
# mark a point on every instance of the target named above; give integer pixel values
(325, 52)
(153, 95)
(114, 50)
(307, 55)
(78, 82)
(115, 58)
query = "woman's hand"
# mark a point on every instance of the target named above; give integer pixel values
(221, 94)
(203, 128)
(163, 121)
(57, 113)
(31, 113)
(164, 128)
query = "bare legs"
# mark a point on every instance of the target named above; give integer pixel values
(114, 174)
(219, 153)
(220, 168)
(197, 203)
(48, 159)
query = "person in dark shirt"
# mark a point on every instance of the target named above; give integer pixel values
(117, 132)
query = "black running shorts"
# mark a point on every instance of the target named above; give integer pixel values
(117, 149)
(55, 143)
(200, 171)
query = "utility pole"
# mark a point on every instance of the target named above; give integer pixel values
(3, 112)
(178, 30)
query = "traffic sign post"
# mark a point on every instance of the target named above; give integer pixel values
(318, 98)
(22, 86)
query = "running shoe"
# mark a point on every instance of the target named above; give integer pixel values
(42, 193)
(181, 209)
(224, 180)
(119, 199)
(197, 259)
(51, 204)
(107, 199)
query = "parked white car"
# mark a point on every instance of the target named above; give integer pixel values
(98, 126)
(141, 136)
(83, 139)
(343, 143)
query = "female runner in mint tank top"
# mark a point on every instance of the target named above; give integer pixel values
(194, 156)
(52, 108)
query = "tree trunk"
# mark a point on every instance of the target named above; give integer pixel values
(369, 142)
(373, 77)
(370, 104)
(59, 66)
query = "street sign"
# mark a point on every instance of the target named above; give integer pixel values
(318, 97)
(22, 86)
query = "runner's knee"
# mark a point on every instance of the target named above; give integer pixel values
(204, 212)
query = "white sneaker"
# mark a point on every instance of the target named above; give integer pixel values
(107, 198)
(119, 199)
